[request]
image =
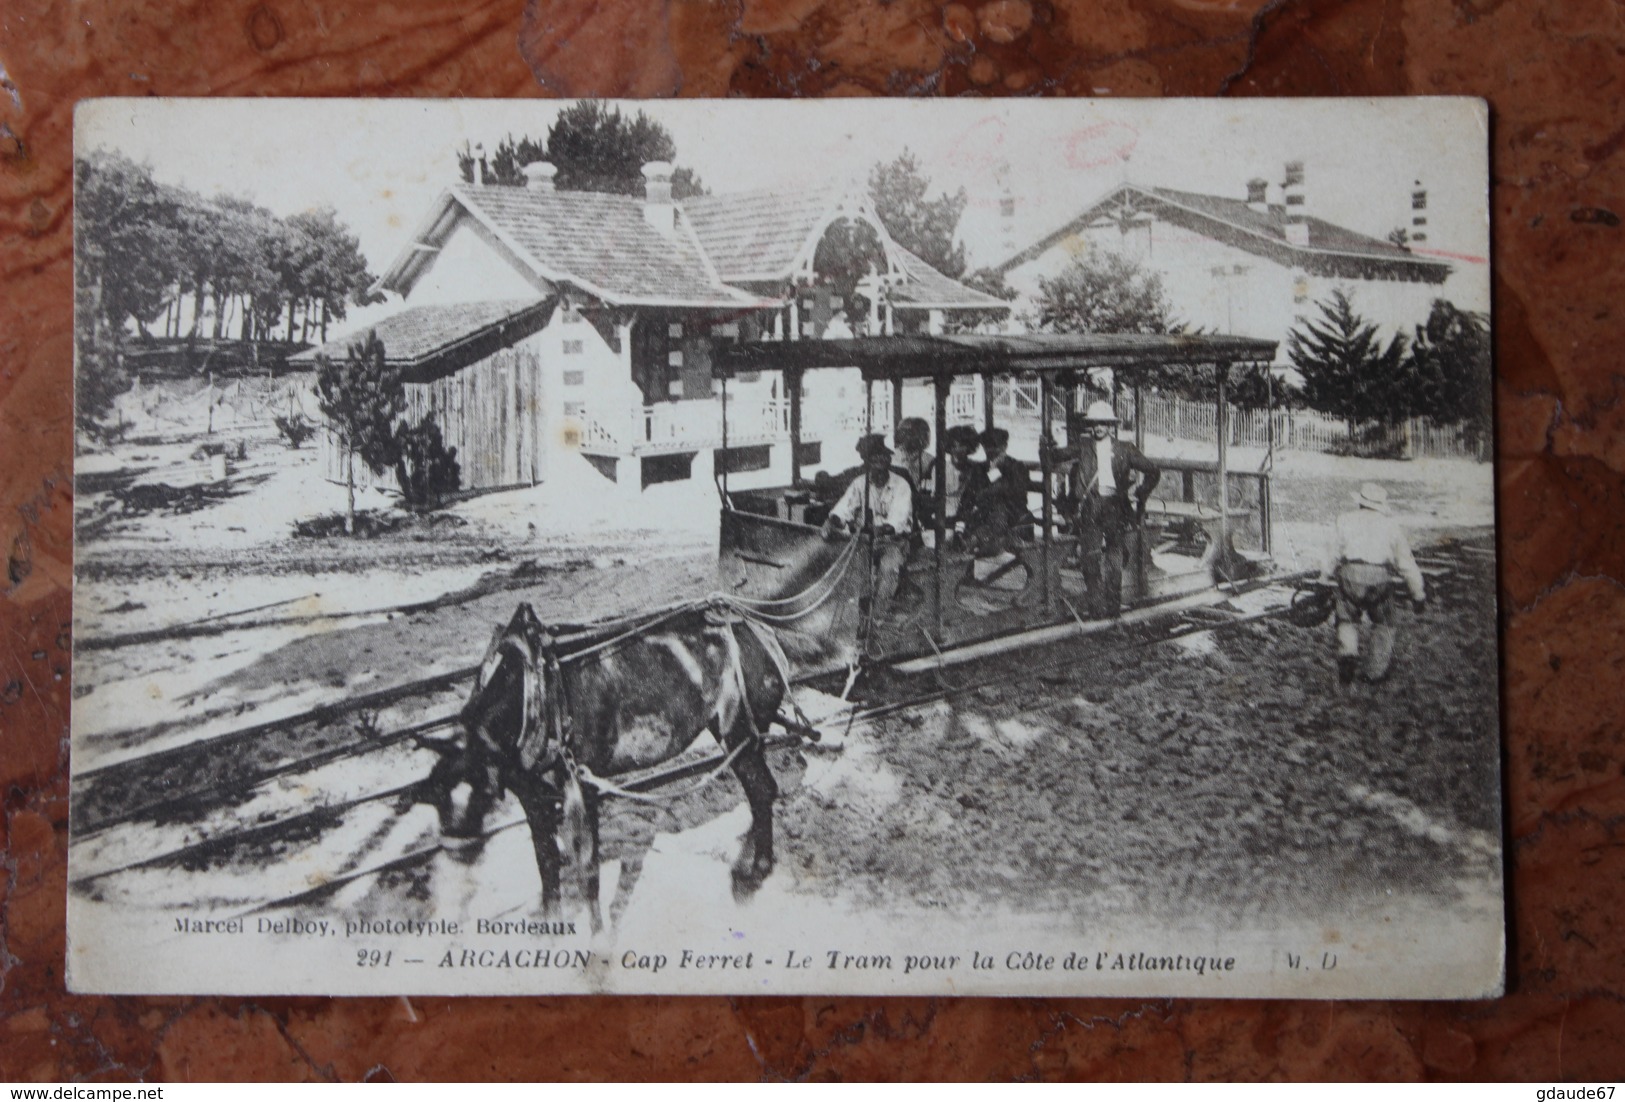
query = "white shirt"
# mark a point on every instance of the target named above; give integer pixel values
(1105, 481)
(1368, 536)
(891, 504)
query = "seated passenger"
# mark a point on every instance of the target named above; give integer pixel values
(919, 466)
(881, 502)
(993, 508)
(959, 442)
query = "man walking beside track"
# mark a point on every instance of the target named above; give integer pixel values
(1367, 548)
(1108, 505)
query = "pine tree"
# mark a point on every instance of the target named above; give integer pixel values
(1450, 363)
(594, 147)
(361, 396)
(1346, 370)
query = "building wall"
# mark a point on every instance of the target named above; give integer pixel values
(1216, 286)
(510, 414)
(468, 269)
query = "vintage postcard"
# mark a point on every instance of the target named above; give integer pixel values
(949, 547)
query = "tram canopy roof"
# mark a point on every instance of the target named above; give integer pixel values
(924, 357)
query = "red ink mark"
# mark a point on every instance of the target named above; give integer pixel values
(1465, 258)
(1099, 145)
(981, 145)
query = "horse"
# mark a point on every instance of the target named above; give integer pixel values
(554, 713)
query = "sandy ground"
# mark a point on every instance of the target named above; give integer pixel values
(1221, 780)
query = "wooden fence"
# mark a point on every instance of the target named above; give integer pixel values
(1174, 418)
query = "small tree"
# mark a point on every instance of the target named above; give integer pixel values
(426, 469)
(361, 396)
(1346, 370)
(1450, 364)
(1104, 292)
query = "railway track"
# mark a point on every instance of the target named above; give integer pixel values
(329, 788)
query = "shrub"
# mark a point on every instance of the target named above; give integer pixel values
(294, 429)
(425, 468)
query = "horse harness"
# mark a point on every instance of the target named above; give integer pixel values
(546, 732)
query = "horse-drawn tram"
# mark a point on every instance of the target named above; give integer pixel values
(1049, 524)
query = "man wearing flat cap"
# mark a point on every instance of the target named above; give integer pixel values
(882, 502)
(1110, 482)
(1368, 548)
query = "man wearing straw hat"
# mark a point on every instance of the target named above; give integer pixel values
(1108, 504)
(1367, 549)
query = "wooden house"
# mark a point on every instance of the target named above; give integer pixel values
(540, 322)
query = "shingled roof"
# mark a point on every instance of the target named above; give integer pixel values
(729, 251)
(929, 289)
(1331, 249)
(434, 340)
(756, 236)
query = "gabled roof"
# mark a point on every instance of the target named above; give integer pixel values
(726, 251)
(596, 241)
(757, 236)
(434, 340)
(1331, 249)
(929, 289)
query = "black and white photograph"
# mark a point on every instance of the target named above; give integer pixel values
(1030, 547)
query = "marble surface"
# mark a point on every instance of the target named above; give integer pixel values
(1553, 73)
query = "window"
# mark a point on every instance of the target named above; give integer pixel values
(575, 409)
(675, 330)
(667, 468)
(675, 388)
(573, 348)
(739, 460)
(675, 357)
(574, 378)
(726, 331)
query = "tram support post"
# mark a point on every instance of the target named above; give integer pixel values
(1224, 456)
(987, 402)
(1044, 466)
(1139, 418)
(723, 455)
(792, 387)
(896, 407)
(939, 537)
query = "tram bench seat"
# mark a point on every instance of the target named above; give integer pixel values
(1192, 510)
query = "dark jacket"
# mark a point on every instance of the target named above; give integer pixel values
(1083, 483)
(1003, 501)
(1125, 458)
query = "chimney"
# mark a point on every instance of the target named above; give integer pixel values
(539, 175)
(658, 209)
(1419, 214)
(1297, 224)
(479, 164)
(1007, 210)
(1258, 195)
